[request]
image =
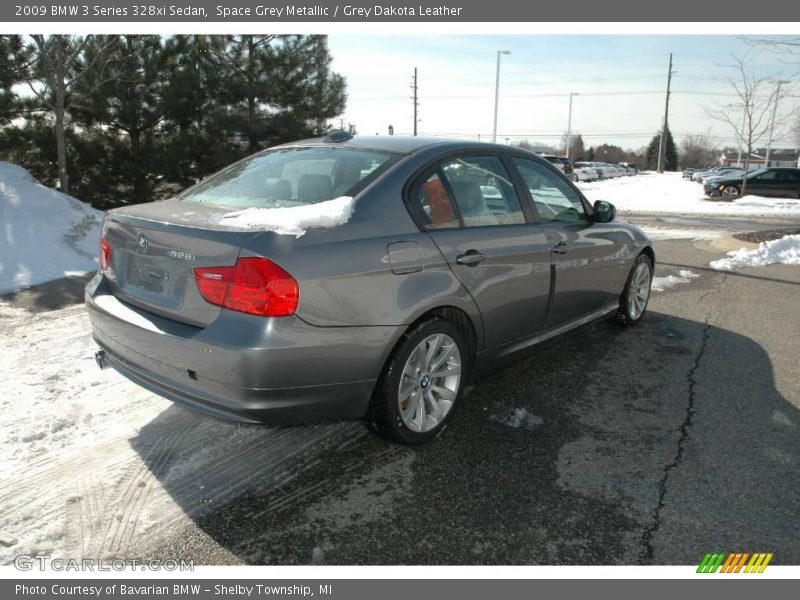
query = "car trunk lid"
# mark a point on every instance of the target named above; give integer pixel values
(155, 249)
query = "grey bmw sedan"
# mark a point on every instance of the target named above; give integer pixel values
(353, 277)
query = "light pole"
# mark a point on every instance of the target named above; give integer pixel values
(497, 93)
(772, 122)
(569, 122)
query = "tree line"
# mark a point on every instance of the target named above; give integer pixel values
(125, 119)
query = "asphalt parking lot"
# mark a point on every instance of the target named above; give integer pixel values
(652, 445)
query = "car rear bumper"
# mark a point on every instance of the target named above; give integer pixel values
(277, 371)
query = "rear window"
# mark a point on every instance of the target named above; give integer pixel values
(291, 177)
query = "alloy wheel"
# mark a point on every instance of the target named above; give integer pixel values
(429, 382)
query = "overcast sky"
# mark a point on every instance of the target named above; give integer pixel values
(621, 81)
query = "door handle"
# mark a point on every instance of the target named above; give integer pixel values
(471, 258)
(561, 248)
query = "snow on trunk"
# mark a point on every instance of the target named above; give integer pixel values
(294, 220)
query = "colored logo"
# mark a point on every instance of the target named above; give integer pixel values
(734, 562)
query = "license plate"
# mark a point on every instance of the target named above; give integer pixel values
(152, 279)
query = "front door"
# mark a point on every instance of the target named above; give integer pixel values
(588, 257)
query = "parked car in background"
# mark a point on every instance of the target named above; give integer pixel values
(631, 167)
(775, 182)
(698, 175)
(726, 172)
(373, 292)
(583, 172)
(562, 163)
(689, 171)
(590, 166)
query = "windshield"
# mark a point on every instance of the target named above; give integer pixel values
(291, 177)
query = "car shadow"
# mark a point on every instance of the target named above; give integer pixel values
(651, 445)
(51, 295)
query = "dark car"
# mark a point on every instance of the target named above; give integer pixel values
(776, 182)
(357, 276)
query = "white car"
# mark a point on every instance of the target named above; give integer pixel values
(585, 173)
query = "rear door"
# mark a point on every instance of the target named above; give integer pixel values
(588, 257)
(469, 207)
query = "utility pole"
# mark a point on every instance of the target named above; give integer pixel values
(772, 122)
(569, 122)
(497, 92)
(662, 153)
(414, 98)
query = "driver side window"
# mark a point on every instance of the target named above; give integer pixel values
(555, 200)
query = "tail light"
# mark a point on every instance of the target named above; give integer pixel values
(254, 285)
(105, 254)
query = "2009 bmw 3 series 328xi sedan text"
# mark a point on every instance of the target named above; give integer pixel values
(352, 277)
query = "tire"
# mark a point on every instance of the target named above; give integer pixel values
(401, 419)
(634, 299)
(730, 191)
(575, 178)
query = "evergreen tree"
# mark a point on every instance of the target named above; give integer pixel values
(277, 88)
(13, 63)
(671, 155)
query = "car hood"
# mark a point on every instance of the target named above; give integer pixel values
(724, 179)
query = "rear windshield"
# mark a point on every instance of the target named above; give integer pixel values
(291, 177)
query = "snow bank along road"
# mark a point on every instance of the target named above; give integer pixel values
(647, 445)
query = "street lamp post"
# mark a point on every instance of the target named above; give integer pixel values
(569, 122)
(497, 93)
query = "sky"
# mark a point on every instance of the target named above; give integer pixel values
(620, 81)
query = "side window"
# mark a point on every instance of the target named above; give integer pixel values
(433, 205)
(555, 200)
(483, 191)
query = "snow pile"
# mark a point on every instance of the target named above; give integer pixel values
(519, 418)
(294, 220)
(784, 251)
(669, 193)
(45, 234)
(660, 284)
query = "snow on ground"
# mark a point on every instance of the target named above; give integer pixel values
(95, 466)
(669, 193)
(783, 251)
(294, 220)
(660, 284)
(689, 233)
(46, 234)
(518, 418)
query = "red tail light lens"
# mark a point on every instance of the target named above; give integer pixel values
(105, 254)
(255, 286)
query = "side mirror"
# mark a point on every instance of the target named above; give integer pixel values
(604, 212)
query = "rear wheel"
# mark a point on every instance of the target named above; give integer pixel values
(636, 294)
(730, 191)
(421, 384)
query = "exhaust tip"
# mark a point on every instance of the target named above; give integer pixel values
(100, 359)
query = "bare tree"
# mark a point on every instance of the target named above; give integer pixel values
(698, 150)
(750, 116)
(57, 66)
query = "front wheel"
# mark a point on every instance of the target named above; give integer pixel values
(421, 384)
(730, 191)
(636, 294)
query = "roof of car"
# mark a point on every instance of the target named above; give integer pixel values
(400, 144)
